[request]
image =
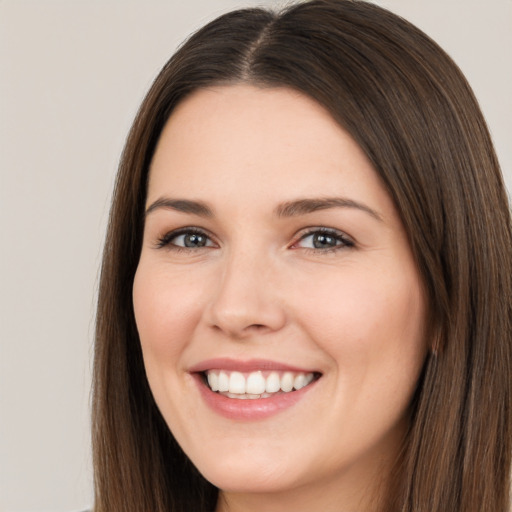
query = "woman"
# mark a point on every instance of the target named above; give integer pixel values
(305, 295)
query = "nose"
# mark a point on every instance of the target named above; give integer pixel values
(247, 300)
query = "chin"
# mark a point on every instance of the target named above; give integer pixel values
(239, 474)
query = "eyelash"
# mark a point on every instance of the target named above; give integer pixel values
(166, 240)
(342, 240)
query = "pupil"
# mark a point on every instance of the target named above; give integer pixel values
(320, 241)
(194, 240)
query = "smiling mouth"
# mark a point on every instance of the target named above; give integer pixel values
(256, 384)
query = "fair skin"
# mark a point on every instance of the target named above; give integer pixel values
(246, 270)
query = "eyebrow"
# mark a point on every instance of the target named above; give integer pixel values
(181, 205)
(304, 206)
(287, 209)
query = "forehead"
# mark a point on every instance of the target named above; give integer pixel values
(247, 142)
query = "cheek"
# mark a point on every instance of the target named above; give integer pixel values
(373, 330)
(166, 314)
(363, 302)
(371, 324)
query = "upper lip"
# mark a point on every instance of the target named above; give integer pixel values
(249, 365)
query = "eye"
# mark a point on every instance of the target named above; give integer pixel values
(324, 240)
(186, 238)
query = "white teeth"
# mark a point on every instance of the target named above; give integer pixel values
(287, 382)
(236, 383)
(213, 381)
(299, 381)
(223, 382)
(273, 384)
(236, 395)
(245, 396)
(255, 385)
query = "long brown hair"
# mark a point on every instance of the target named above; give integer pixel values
(412, 112)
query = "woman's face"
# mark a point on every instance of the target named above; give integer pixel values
(273, 259)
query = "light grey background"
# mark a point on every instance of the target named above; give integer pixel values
(72, 74)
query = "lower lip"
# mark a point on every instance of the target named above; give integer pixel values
(250, 409)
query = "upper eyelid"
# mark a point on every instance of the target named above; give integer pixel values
(323, 229)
